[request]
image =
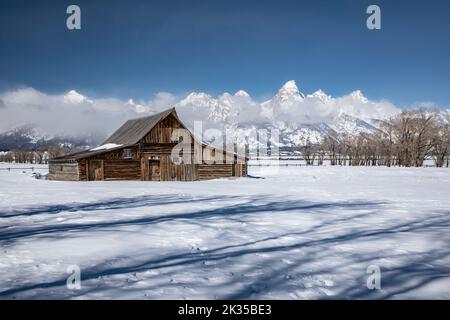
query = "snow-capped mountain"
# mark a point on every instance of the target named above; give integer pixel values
(29, 138)
(287, 95)
(344, 123)
(299, 118)
(321, 96)
(443, 117)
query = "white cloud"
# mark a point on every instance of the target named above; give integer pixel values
(162, 100)
(357, 105)
(74, 114)
(69, 114)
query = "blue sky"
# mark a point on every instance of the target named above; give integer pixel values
(138, 48)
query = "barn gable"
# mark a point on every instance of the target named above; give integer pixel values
(135, 129)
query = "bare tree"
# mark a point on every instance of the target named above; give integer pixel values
(308, 152)
(56, 151)
(407, 139)
(441, 146)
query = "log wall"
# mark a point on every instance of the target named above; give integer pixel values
(214, 171)
(63, 171)
(122, 169)
(82, 169)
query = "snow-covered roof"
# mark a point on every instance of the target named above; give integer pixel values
(106, 146)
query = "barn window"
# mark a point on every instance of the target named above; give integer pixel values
(213, 152)
(127, 153)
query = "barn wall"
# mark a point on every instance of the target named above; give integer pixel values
(115, 167)
(177, 172)
(122, 169)
(116, 154)
(213, 155)
(82, 169)
(63, 171)
(158, 149)
(244, 170)
(214, 171)
(162, 132)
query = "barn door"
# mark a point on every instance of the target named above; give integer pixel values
(154, 170)
(95, 170)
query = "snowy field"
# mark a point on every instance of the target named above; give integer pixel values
(296, 233)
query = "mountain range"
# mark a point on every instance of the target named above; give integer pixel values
(298, 117)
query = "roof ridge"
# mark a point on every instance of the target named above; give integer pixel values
(152, 115)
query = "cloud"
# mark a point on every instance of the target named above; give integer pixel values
(162, 101)
(355, 104)
(69, 114)
(74, 114)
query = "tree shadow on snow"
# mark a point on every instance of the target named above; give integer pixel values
(108, 204)
(414, 272)
(252, 205)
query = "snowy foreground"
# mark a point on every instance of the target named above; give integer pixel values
(298, 233)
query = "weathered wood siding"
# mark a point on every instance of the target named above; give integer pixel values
(158, 145)
(82, 169)
(177, 172)
(116, 154)
(220, 156)
(214, 171)
(157, 149)
(115, 167)
(240, 170)
(162, 132)
(122, 169)
(63, 171)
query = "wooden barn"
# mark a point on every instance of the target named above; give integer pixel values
(142, 150)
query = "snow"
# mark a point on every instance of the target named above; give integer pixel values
(292, 233)
(322, 96)
(288, 95)
(242, 93)
(106, 147)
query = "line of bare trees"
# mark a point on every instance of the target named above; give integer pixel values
(407, 140)
(32, 156)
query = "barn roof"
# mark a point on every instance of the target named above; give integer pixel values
(135, 129)
(129, 134)
(83, 154)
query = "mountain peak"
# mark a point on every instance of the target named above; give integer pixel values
(198, 99)
(359, 96)
(290, 86)
(290, 91)
(241, 93)
(319, 94)
(198, 95)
